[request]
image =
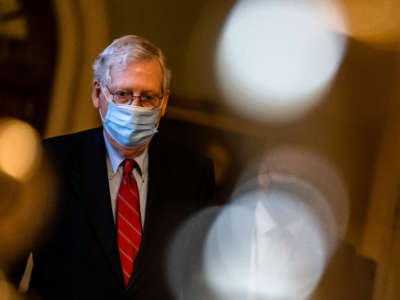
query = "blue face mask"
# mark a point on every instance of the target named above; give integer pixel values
(130, 126)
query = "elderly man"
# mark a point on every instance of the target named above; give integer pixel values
(123, 190)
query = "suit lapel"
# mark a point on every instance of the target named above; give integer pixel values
(155, 181)
(92, 187)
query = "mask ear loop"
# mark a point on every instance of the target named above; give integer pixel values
(103, 90)
(101, 117)
(161, 104)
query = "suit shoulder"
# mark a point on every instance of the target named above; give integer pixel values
(66, 147)
(70, 140)
(179, 154)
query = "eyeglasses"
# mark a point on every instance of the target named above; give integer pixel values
(127, 98)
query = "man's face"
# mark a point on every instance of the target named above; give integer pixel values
(144, 77)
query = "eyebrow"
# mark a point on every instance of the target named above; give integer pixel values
(146, 91)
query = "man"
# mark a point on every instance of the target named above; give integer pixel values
(123, 191)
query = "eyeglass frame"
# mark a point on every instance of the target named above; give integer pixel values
(132, 98)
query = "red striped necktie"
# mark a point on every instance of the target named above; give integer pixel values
(128, 220)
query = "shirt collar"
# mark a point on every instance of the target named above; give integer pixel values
(263, 219)
(116, 159)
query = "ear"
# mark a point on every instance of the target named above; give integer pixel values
(96, 91)
(165, 103)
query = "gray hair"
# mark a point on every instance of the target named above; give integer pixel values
(125, 50)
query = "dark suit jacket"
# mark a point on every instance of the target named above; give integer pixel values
(79, 258)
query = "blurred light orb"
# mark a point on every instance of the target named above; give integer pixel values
(276, 58)
(19, 148)
(267, 244)
(185, 265)
(295, 165)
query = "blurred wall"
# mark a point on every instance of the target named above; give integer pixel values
(83, 33)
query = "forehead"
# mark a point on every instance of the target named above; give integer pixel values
(139, 76)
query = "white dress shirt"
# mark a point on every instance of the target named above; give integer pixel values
(115, 172)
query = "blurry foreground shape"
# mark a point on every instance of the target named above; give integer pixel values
(25, 186)
(349, 276)
(273, 241)
(222, 160)
(374, 21)
(185, 266)
(7, 291)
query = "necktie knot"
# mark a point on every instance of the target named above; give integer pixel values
(129, 164)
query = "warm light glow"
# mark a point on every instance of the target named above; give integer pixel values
(7, 291)
(26, 188)
(276, 58)
(19, 148)
(373, 21)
